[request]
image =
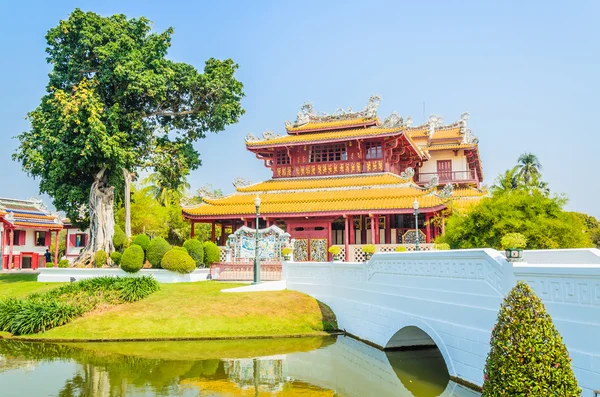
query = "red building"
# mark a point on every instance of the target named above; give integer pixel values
(349, 179)
(26, 229)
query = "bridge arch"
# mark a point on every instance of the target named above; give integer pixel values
(415, 332)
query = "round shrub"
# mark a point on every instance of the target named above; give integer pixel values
(116, 257)
(526, 350)
(183, 249)
(211, 253)
(401, 248)
(142, 240)
(132, 259)
(177, 260)
(100, 258)
(442, 246)
(63, 263)
(49, 264)
(119, 238)
(196, 251)
(157, 248)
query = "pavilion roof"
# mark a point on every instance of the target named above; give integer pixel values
(28, 213)
(333, 124)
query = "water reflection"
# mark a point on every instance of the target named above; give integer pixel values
(293, 367)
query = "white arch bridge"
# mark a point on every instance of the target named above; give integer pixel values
(451, 299)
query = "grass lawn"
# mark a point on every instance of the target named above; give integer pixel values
(202, 310)
(21, 285)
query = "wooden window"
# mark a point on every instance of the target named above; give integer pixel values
(281, 157)
(374, 150)
(444, 170)
(40, 239)
(328, 153)
(19, 237)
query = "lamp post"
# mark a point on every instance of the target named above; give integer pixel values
(256, 260)
(416, 207)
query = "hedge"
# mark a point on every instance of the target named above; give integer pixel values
(527, 355)
(142, 240)
(177, 260)
(100, 258)
(196, 251)
(211, 253)
(157, 248)
(132, 259)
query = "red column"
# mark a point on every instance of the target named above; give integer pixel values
(329, 240)
(373, 229)
(56, 249)
(193, 231)
(388, 230)
(213, 232)
(427, 228)
(11, 236)
(352, 233)
(35, 261)
(377, 230)
(346, 239)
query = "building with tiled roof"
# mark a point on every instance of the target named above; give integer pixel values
(349, 179)
(26, 228)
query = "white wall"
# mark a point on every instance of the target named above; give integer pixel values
(454, 296)
(459, 163)
(60, 275)
(73, 252)
(29, 244)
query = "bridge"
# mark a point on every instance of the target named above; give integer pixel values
(450, 299)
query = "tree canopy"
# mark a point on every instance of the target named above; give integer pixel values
(114, 101)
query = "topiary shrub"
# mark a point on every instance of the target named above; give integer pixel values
(63, 263)
(100, 258)
(119, 238)
(211, 253)
(400, 248)
(442, 246)
(142, 240)
(116, 257)
(177, 260)
(196, 251)
(527, 355)
(183, 249)
(513, 241)
(132, 259)
(157, 248)
(49, 264)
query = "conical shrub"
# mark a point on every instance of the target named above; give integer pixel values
(527, 355)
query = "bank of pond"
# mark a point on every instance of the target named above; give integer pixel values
(316, 366)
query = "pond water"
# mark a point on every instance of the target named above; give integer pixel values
(312, 367)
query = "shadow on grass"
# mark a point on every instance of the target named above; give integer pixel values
(327, 317)
(6, 278)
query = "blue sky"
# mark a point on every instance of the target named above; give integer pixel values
(528, 73)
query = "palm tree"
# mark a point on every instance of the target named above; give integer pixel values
(529, 167)
(507, 181)
(162, 191)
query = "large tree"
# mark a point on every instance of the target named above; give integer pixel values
(115, 103)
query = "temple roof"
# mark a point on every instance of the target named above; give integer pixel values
(28, 213)
(357, 194)
(334, 124)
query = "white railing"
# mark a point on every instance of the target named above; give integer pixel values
(357, 255)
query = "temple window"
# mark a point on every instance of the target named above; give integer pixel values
(327, 153)
(80, 240)
(281, 157)
(40, 239)
(374, 150)
(19, 237)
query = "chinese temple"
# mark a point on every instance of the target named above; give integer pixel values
(350, 179)
(26, 228)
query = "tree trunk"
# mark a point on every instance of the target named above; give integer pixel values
(127, 201)
(102, 219)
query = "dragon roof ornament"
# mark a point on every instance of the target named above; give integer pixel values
(241, 182)
(307, 113)
(392, 121)
(446, 191)
(408, 173)
(268, 134)
(251, 137)
(433, 182)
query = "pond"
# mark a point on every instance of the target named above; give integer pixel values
(329, 366)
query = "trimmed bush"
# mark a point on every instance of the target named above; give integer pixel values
(157, 248)
(368, 249)
(142, 240)
(100, 258)
(116, 257)
(63, 263)
(177, 260)
(442, 246)
(527, 355)
(132, 259)
(49, 264)
(119, 238)
(182, 249)
(513, 241)
(401, 248)
(196, 251)
(211, 253)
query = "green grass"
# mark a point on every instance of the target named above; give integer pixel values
(198, 310)
(21, 285)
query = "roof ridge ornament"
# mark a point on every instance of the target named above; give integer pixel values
(408, 173)
(241, 182)
(268, 134)
(446, 191)
(251, 137)
(307, 113)
(394, 120)
(433, 182)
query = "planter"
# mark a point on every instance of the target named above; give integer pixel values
(514, 255)
(368, 257)
(337, 258)
(287, 257)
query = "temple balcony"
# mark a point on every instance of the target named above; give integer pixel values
(444, 177)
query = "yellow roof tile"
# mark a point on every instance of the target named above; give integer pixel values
(440, 133)
(325, 136)
(383, 198)
(333, 124)
(324, 182)
(450, 147)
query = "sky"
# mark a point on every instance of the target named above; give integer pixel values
(527, 72)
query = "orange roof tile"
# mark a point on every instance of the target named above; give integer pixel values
(334, 124)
